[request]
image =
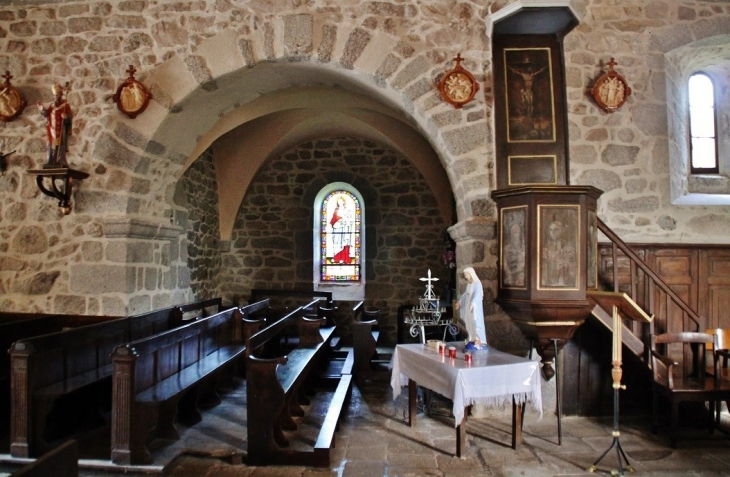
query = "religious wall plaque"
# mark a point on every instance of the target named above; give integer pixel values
(458, 86)
(132, 97)
(12, 101)
(611, 90)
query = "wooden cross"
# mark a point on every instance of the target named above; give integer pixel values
(611, 64)
(7, 77)
(458, 59)
(132, 70)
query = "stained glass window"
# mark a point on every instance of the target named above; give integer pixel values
(340, 233)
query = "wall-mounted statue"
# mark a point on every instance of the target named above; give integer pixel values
(59, 118)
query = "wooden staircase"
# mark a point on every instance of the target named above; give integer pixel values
(632, 276)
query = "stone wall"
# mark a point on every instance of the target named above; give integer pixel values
(198, 215)
(627, 153)
(271, 246)
(206, 59)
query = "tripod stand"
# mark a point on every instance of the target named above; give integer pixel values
(616, 373)
(617, 301)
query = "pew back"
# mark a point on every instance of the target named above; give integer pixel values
(290, 299)
(160, 356)
(46, 367)
(157, 321)
(26, 325)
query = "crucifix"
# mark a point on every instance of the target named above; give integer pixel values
(429, 286)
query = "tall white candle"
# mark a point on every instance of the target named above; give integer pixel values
(614, 354)
(619, 331)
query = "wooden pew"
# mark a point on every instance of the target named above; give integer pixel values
(273, 392)
(17, 326)
(290, 299)
(365, 335)
(9, 316)
(73, 362)
(63, 461)
(158, 377)
(157, 321)
(316, 304)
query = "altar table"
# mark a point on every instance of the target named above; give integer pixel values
(493, 378)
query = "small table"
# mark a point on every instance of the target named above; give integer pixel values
(494, 378)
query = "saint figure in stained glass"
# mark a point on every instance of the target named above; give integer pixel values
(341, 237)
(342, 222)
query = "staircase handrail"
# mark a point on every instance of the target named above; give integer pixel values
(620, 244)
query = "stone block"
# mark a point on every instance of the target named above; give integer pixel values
(298, 31)
(130, 252)
(356, 43)
(651, 119)
(619, 155)
(40, 283)
(419, 66)
(137, 41)
(114, 153)
(113, 306)
(69, 304)
(84, 24)
(183, 277)
(30, 240)
(466, 139)
(161, 301)
(95, 279)
(139, 304)
(150, 278)
(642, 204)
(600, 178)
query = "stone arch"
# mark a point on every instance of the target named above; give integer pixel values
(201, 96)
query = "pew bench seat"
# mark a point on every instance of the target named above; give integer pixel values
(167, 377)
(273, 393)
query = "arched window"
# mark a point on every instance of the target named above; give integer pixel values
(339, 242)
(702, 125)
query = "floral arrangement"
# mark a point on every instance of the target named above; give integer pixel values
(449, 259)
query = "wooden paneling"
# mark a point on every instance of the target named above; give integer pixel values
(714, 295)
(699, 274)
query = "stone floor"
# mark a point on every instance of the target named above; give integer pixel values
(375, 440)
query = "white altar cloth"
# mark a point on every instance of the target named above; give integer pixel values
(493, 378)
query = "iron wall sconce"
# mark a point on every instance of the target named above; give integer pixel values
(56, 175)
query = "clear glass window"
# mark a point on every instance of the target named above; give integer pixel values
(703, 140)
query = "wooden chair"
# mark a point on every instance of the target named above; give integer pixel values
(679, 375)
(721, 357)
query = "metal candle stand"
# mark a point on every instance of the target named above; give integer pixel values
(616, 372)
(616, 301)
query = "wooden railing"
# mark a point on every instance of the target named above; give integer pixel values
(645, 287)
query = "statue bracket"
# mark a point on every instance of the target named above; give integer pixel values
(60, 183)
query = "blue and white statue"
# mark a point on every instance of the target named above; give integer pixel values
(471, 311)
